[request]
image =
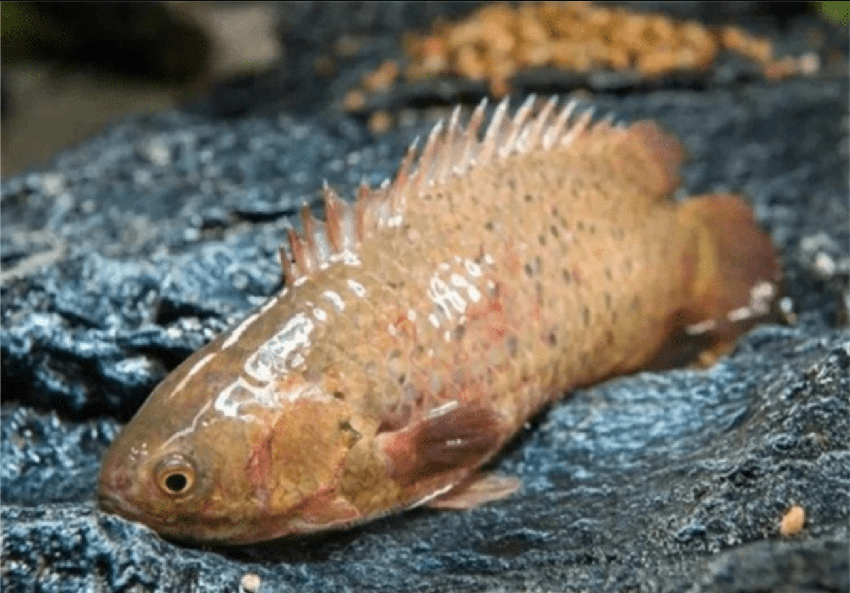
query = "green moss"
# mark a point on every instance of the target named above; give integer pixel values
(837, 12)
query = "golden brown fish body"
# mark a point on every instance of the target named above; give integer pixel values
(422, 326)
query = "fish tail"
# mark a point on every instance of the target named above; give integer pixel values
(732, 267)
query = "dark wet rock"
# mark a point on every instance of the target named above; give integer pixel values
(818, 564)
(130, 251)
(668, 479)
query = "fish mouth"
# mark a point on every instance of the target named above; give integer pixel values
(118, 505)
(114, 504)
(112, 488)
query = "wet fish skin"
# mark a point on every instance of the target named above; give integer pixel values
(422, 326)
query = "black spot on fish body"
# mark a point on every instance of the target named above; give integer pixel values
(597, 186)
(635, 304)
(512, 344)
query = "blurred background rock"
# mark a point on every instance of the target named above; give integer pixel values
(70, 68)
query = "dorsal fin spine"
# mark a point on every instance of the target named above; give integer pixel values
(286, 264)
(402, 180)
(516, 126)
(578, 127)
(535, 136)
(320, 246)
(471, 134)
(444, 167)
(553, 133)
(488, 146)
(423, 167)
(297, 248)
(333, 217)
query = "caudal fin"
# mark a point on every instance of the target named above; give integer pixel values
(736, 277)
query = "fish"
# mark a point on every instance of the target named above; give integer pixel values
(422, 325)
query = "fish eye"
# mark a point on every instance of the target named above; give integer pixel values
(175, 475)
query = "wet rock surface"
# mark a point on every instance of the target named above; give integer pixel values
(130, 251)
(651, 482)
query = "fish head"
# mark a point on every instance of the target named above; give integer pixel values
(218, 456)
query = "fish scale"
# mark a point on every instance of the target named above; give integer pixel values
(424, 324)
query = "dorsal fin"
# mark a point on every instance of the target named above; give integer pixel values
(452, 150)
(658, 156)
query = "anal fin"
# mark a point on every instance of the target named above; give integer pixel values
(476, 490)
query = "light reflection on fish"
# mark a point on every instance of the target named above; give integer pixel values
(423, 325)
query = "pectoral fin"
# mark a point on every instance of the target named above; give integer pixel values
(458, 437)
